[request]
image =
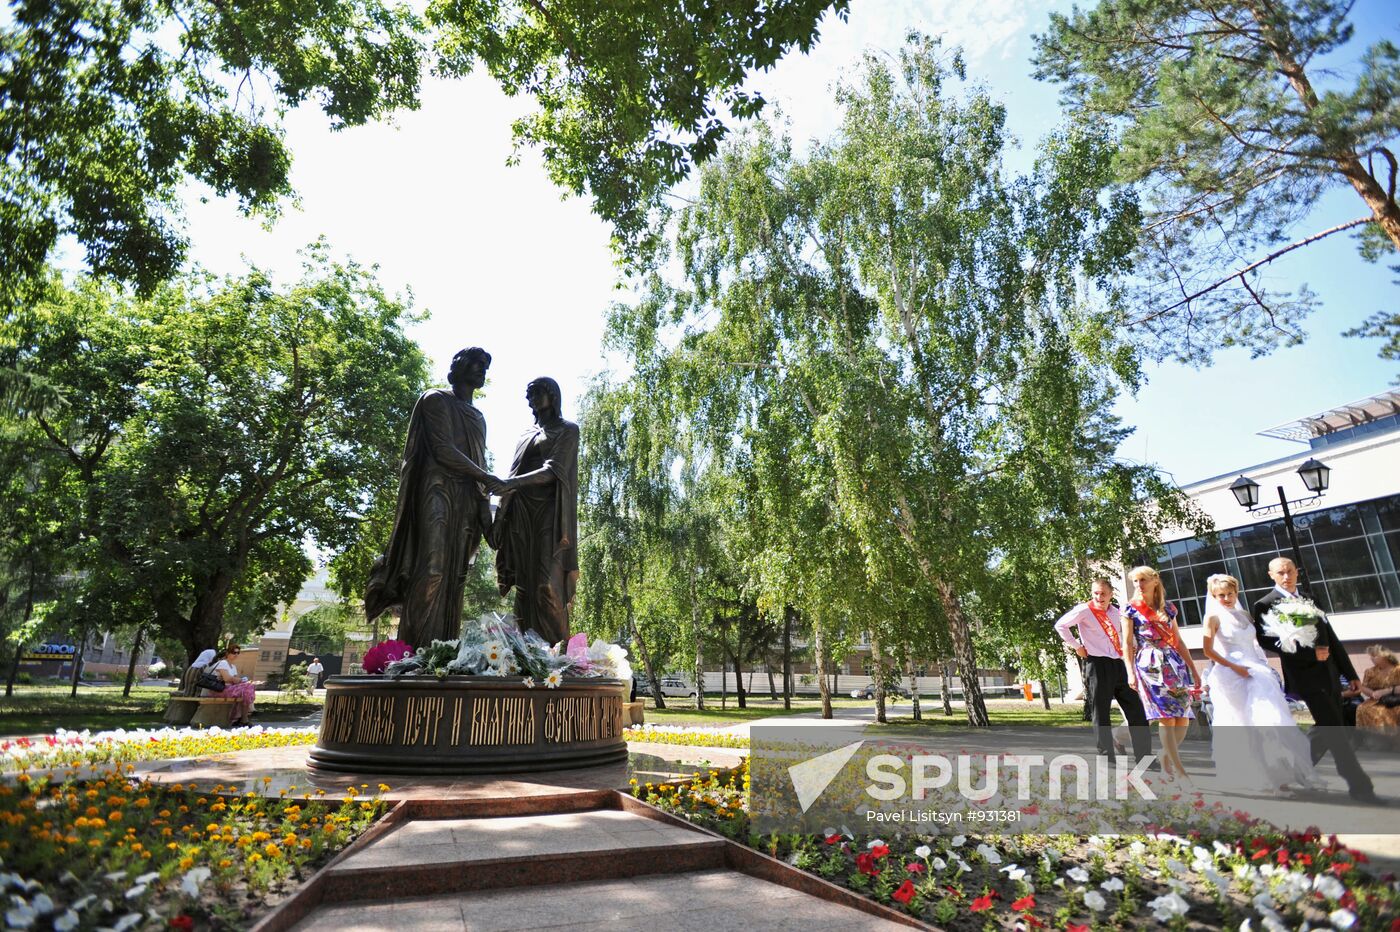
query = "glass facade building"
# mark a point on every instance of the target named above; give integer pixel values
(1350, 555)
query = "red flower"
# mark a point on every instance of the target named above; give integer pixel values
(1282, 856)
(183, 922)
(879, 851)
(1025, 902)
(982, 903)
(833, 839)
(1032, 809)
(1348, 900)
(1395, 925)
(1360, 857)
(1259, 855)
(866, 865)
(915, 867)
(1032, 920)
(905, 893)
(1072, 927)
(1341, 867)
(1304, 859)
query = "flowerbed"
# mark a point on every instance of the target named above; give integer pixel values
(1257, 878)
(120, 854)
(67, 749)
(695, 737)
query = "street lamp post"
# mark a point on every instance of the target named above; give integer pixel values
(1316, 477)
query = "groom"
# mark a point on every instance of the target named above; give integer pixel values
(1308, 673)
(1100, 644)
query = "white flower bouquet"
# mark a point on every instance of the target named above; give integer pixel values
(1295, 622)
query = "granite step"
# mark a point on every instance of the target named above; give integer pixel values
(700, 901)
(425, 857)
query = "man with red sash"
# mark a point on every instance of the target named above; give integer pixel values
(1100, 643)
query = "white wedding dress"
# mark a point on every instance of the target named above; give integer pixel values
(1254, 740)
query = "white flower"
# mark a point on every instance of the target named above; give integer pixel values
(923, 851)
(554, 679)
(1112, 884)
(989, 854)
(22, 916)
(528, 682)
(870, 845)
(1329, 886)
(130, 920)
(85, 902)
(1168, 907)
(958, 840)
(828, 832)
(1223, 850)
(1095, 901)
(1059, 881)
(136, 891)
(189, 884)
(939, 864)
(1052, 855)
(1013, 872)
(1342, 918)
(147, 878)
(1137, 849)
(963, 866)
(42, 904)
(494, 651)
(67, 922)
(1077, 874)
(1175, 866)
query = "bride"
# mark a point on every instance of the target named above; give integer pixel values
(1254, 740)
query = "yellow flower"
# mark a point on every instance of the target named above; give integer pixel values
(186, 863)
(254, 858)
(272, 850)
(225, 863)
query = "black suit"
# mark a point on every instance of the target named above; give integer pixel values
(1315, 681)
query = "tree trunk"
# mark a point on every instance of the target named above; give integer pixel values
(653, 676)
(914, 692)
(877, 667)
(1283, 45)
(964, 654)
(699, 646)
(135, 652)
(739, 695)
(819, 660)
(28, 614)
(78, 664)
(947, 693)
(772, 684)
(788, 612)
(1044, 696)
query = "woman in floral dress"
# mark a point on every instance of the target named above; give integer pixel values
(1159, 667)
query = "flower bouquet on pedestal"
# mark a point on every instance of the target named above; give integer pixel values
(496, 647)
(1295, 622)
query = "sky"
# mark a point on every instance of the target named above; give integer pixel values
(502, 260)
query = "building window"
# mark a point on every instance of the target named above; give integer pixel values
(277, 655)
(1350, 554)
(266, 656)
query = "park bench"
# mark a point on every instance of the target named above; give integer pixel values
(187, 707)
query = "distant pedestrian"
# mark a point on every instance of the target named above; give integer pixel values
(314, 670)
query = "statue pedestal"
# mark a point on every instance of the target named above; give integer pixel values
(468, 724)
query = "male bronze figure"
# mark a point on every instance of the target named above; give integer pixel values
(442, 510)
(536, 528)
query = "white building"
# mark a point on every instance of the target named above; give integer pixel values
(1349, 536)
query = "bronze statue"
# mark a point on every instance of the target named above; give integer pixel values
(536, 528)
(442, 510)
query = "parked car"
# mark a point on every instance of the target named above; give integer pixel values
(890, 691)
(671, 685)
(677, 686)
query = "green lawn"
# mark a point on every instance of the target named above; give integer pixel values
(681, 711)
(42, 709)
